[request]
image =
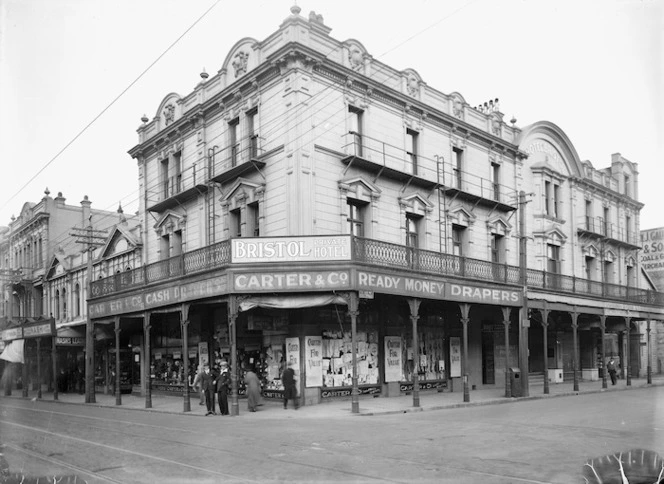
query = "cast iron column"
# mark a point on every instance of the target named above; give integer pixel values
(465, 310)
(545, 331)
(118, 390)
(628, 372)
(232, 321)
(24, 376)
(355, 391)
(575, 363)
(506, 324)
(39, 392)
(148, 360)
(184, 314)
(602, 327)
(649, 367)
(414, 305)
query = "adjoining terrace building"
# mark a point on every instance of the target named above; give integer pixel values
(45, 289)
(310, 204)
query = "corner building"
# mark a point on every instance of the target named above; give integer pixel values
(309, 204)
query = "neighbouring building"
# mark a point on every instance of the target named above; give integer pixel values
(308, 204)
(45, 265)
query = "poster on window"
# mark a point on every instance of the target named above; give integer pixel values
(455, 357)
(203, 357)
(293, 354)
(313, 358)
(393, 361)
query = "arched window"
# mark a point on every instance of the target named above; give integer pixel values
(77, 300)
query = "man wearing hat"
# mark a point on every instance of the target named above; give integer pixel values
(223, 384)
(207, 382)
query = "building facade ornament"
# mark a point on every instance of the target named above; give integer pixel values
(240, 63)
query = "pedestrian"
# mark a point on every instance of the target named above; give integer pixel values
(207, 382)
(223, 384)
(197, 385)
(290, 387)
(253, 386)
(611, 368)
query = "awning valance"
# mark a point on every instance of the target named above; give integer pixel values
(291, 301)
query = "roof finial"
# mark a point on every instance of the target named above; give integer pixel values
(295, 10)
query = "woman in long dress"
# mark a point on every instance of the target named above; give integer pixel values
(253, 385)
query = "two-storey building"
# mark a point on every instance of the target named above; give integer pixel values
(310, 204)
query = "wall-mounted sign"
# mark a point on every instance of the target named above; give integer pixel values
(290, 249)
(291, 281)
(455, 357)
(38, 330)
(69, 341)
(652, 255)
(10, 334)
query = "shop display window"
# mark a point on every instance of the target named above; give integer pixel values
(338, 358)
(430, 359)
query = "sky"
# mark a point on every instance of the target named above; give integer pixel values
(76, 76)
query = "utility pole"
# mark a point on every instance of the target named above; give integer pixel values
(524, 322)
(93, 239)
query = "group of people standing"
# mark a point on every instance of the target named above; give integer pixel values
(209, 382)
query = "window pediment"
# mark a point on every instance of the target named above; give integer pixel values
(590, 250)
(170, 222)
(499, 226)
(359, 189)
(416, 204)
(243, 189)
(461, 216)
(553, 235)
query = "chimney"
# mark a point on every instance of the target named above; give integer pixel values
(121, 216)
(60, 200)
(85, 205)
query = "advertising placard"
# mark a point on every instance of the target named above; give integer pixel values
(293, 354)
(313, 351)
(652, 256)
(455, 357)
(393, 358)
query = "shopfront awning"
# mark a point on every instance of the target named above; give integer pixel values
(291, 301)
(13, 352)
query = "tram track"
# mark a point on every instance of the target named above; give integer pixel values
(279, 457)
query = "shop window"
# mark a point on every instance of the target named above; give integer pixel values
(338, 359)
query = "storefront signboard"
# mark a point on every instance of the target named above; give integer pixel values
(69, 341)
(293, 354)
(313, 351)
(160, 297)
(38, 330)
(290, 249)
(652, 255)
(424, 385)
(346, 391)
(393, 358)
(291, 281)
(11, 334)
(432, 289)
(455, 357)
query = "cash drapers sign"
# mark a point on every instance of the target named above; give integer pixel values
(291, 281)
(11, 334)
(160, 297)
(290, 249)
(432, 289)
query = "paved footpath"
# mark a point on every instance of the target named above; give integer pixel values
(369, 406)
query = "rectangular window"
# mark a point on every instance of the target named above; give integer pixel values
(253, 218)
(458, 239)
(176, 243)
(412, 225)
(589, 215)
(547, 198)
(177, 172)
(411, 149)
(236, 223)
(553, 259)
(251, 132)
(497, 248)
(628, 228)
(164, 178)
(630, 275)
(556, 201)
(628, 187)
(356, 128)
(165, 246)
(356, 218)
(233, 141)
(590, 267)
(495, 180)
(608, 272)
(606, 221)
(457, 166)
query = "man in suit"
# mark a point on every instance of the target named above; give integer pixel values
(207, 383)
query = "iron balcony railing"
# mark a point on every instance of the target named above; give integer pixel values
(377, 253)
(600, 226)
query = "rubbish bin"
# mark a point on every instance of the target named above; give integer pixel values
(515, 382)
